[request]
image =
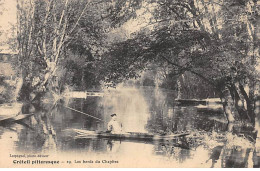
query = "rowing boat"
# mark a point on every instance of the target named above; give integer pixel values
(83, 134)
(20, 117)
(10, 110)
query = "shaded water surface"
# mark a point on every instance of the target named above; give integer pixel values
(211, 143)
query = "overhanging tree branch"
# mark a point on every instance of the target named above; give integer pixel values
(75, 25)
(188, 69)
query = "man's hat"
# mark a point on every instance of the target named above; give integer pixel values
(113, 114)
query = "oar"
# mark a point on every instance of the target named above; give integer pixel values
(84, 113)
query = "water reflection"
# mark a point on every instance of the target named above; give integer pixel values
(212, 143)
(130, 106)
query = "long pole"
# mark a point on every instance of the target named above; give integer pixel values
(84, 113)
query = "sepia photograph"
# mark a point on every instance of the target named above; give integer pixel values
(130, 83)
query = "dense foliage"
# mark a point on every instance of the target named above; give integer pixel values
(216, 41)
(188, 44)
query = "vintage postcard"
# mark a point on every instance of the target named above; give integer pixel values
(129, 84)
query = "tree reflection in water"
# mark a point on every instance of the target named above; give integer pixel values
(212, 142)
(39, 134)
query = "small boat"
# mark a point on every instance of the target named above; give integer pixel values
(83, 94)
(218, 109)
(76, 94)
(190, 102)
(20, 117)
(83, 134)
(10, 110)
(196, 102)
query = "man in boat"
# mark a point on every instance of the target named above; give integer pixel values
(113, 126)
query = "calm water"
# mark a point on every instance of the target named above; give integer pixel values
(212, 143)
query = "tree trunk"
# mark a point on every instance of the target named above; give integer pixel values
(227, 105)
(179, 88)
(249, 104)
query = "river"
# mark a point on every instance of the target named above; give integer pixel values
(211, 143)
